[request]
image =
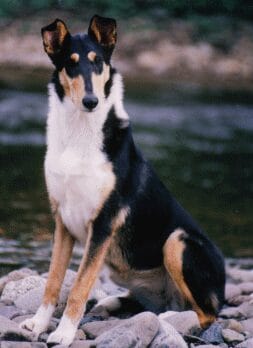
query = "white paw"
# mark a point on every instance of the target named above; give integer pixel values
(65, 332)
(34, 325)
(60, 337)
(40, 321)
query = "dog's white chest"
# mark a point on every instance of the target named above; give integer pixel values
(80, 185)
(78, 174)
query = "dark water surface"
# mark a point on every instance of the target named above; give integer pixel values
(202, 151)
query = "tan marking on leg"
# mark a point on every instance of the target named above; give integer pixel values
(120, 219)
(114, 257)
(62, 250)
(86, 277)
(173, 261)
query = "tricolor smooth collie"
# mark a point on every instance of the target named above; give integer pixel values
(104, 194)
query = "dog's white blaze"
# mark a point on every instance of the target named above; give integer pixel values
(78, 174)
(65, 332)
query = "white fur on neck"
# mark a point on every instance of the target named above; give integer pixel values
(78, 173)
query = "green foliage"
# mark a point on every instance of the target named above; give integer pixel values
(128, 8)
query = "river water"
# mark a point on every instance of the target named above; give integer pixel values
(203, 151)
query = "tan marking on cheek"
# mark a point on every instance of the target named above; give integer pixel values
(73, 88)
(91, 56)
(173, 261)
(75, 57)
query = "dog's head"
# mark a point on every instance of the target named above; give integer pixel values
(82, 61)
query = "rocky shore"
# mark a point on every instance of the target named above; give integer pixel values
(21, 292)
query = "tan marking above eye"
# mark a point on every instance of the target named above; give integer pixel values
(91, 56)
(75, 57)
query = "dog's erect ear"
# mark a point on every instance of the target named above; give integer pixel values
(55, 38)
(103, 31)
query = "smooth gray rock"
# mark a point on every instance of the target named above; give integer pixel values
(232, 290)
(247, 325)
(240, 275)
(9, 312)
(96, 328)
(184, 322)
(207, 346)
(213, 334)
(137, 331)
(81, 344)
(80, 335)
(245, 310)
(10, 328)
(233, 325)
(15, 275)
(246, 344)
(238, 300)
(231, 336)
(13, 344)
(21, 318)
(31, 299)
(120, 339)
(167, 337)
(38, 345)
(246, 288)
(14, 289)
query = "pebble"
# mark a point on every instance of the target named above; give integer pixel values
(137, 331)
(240, 275)
(246, 344)
(11, 344)
(213, 334)
(9, 312)
(186, 322)
(248, 325)
(9, 328)
(14, 289)
(231, 336)
(22, 293)
(246, 288)
(80, 344)
(233, 325)
(97, 328)
(232, 290)
(167, 337)
(15, 275)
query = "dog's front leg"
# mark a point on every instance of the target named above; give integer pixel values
(95, 251)
(62, 250)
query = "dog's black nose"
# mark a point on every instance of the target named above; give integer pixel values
(90, 101)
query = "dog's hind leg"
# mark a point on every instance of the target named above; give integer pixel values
(197, 269)
(62, 250)
(120, 305)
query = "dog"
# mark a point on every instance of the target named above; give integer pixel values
(104, 194)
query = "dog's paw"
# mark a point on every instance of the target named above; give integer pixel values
(60, 337)
(65, 332)
(34, 325)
